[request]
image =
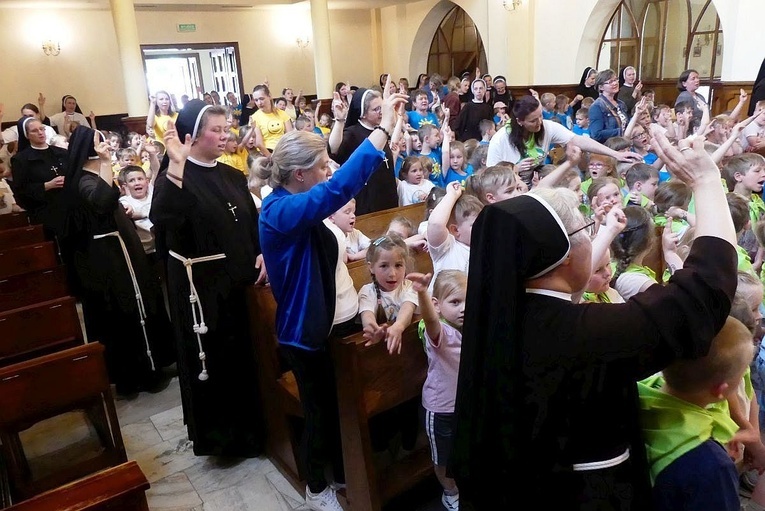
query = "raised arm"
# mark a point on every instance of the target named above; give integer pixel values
(439, 217)
(691, 164)
(742, 97)
(151, 114)
(735, 133)
(420, 284)
(340, 112)
(177, 152)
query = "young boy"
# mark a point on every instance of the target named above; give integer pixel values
(449, 229)
(420, 114)
(428, 135)
(641, 145)
(745, 175)
(547, 100)
(753, 136)
(642, 181)
(137, 202)
(356, 243)
(582, 126)
(487, 131)
(685, 437)
(739, 212)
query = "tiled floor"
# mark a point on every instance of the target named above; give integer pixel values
(155, 436)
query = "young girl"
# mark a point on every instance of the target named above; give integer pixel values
(443, 315)
(387, 304)
(236, 153)
(629, 250)
(161, 110)
(413, 188)
(457, 165)
(673, 199)
(603, 195)
(598, 288)
(599, 166)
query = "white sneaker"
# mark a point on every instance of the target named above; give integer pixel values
(451, 502)
(324, 501)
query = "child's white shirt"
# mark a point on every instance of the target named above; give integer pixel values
(355, 241)
(423, 229)
(628, 284)
(450, 255)
(391, 300)
(6, 198)
(409, 193)
(141, 207)
(752, 130)
(346, 298)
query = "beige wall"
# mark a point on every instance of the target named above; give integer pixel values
(88, 67)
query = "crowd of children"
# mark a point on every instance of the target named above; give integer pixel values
(446, 169)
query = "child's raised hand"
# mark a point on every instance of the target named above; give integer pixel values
(420, 281)
(41, 99)
(739, 127)
(689, 161)
(103, 150)
(578, 98)
(393, 338)
(386, 89)
(534, 93)
(669, 239)
(454, 190)
(615, 220)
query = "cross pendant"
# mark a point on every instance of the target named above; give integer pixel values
(386, 162)
(232, 208)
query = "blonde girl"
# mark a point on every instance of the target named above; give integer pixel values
(387, 304)
(413, 186)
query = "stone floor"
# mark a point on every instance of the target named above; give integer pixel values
(155, 436)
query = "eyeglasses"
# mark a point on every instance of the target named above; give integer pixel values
(611, 82)
(589, 225)
(639, 135)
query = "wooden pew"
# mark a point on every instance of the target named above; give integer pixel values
(48, 386)
(118, 488)
(29, 288)
(370, 381)
(39, 329)
(374, 225)
(13, 220)
(40, 256)
(21, 236)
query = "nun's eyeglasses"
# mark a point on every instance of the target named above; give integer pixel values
(589, 225)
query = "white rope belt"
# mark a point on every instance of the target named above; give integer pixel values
(136, 290)
(199, 327)
(600, 465)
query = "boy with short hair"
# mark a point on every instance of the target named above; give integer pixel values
(642, 180)
(547, 100)
(356, 243)
(487, 131)
(582, 122)
(753, 136)
(685, 437)
(449, 229)
(745, 175)
(139, 190)
(420, 115)
(739, 213)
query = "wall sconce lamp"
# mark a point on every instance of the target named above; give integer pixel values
(302, 42)
(51, 48)
(511, 5)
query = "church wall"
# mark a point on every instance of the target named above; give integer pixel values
(88, 66)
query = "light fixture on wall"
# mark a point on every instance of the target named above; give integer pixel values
(302, 42)
(511, 5)
(51, 48)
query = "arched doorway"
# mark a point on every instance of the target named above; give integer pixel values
(456, 46)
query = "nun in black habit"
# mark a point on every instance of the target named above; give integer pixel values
(207, 229)
(546, 396)
(364, 115)
(121, 297)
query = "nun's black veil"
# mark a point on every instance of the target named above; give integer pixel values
(512, 241)
(81, 148)
(354, 109)
(23, 142)
(758, 91)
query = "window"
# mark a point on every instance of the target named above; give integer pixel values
(456, 46)
(661, 38)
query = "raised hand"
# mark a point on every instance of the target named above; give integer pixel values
(669, 239)
(339, 108)
(454, 189)
(40, 100)
(177, 151)
(534, 93)
(689, 161)
(420, 281)
(742, 95)
(103, 149)
(615, 220)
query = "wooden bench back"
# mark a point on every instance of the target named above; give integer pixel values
(13, 220)
(374, 225)
(39, 329)
(33, 287)
(117, 488)
(21, 236)
(17, 260)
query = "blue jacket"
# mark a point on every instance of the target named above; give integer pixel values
(603, 123)
(301, 252)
